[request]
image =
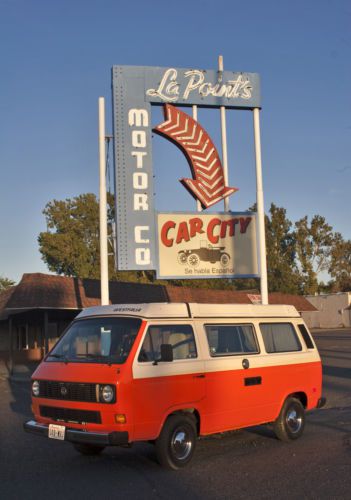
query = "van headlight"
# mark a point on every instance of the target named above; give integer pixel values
(107, 394)
(35, 388)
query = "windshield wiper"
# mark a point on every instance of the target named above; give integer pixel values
(95, 356)
(88, 355)
(58, 356)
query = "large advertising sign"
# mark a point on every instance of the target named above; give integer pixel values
(135, 89)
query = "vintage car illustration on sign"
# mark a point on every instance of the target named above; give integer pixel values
(206, 253)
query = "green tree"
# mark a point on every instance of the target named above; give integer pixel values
(340, 264)
(314, 242)
(5, 283)
(282, 272)
(283, 275)
(70, 245)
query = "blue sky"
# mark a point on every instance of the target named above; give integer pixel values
(56, 58)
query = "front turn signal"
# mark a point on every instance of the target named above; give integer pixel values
(120, 418)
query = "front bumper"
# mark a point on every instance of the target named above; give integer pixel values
(78, 436)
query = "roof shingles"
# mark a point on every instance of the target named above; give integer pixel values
(38, 290)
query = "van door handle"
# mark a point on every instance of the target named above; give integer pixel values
(200, 375)
(252, 381)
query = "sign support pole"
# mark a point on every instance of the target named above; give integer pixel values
(224, 141)
(198, 204)
(103, 207)
(260, 208)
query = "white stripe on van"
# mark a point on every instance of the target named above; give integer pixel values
(220, 364)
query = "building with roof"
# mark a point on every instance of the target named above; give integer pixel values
(334, 310)
(34, 313)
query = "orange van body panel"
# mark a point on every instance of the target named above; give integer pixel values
(157, 397)
(230, 404)
(88, 373)
(97, 373)
(147, 402)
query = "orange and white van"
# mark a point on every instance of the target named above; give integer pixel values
(170, 372)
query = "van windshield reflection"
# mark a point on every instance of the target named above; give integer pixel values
(96, 340)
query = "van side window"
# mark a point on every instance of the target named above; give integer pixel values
(280, 337)
(231, 339)
(181, 337)
(306, 336)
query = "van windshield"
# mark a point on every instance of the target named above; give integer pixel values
(97, 340)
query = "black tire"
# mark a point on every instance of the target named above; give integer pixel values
(291, 421)
(176, 444)
(88, 449)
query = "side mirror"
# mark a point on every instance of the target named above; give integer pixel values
(166, 352)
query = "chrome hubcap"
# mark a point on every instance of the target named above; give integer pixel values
(181, 444)
(294, 420)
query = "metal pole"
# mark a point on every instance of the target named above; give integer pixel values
(260, 208)
(46, 332)
(224, 141)
(103, 206)
(10, 345)
(195, 112)
(198, 203)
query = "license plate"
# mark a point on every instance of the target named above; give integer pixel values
(57, 431)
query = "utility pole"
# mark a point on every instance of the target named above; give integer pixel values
(103, 207)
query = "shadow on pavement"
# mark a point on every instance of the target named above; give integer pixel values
(21, 397)
(337, 371)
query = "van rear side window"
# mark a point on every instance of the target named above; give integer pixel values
(306, 337)
(224, 340)
(280, 337)
(181, 337)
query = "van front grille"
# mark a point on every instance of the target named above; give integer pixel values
(70, 415)
(69, 391)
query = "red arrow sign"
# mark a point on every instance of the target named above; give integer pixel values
(207, 184)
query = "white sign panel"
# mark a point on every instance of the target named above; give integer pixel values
(216, 245)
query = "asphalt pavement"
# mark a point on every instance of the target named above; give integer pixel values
(249, 463)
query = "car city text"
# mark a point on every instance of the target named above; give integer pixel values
(173, 233)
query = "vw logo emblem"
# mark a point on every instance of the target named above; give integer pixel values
(63, 390)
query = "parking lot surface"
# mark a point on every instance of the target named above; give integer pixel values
(249, 463)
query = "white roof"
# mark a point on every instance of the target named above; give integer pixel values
(242, 310)
(183, 310)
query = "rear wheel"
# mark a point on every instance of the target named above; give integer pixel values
(291, 421)
(224, 259)
(88, 449)
(176, 444)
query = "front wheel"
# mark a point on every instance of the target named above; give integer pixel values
(182, 257)
(176, 444)
(291, 421)
(193, 260)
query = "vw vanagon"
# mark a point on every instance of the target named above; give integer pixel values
(170, 372)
